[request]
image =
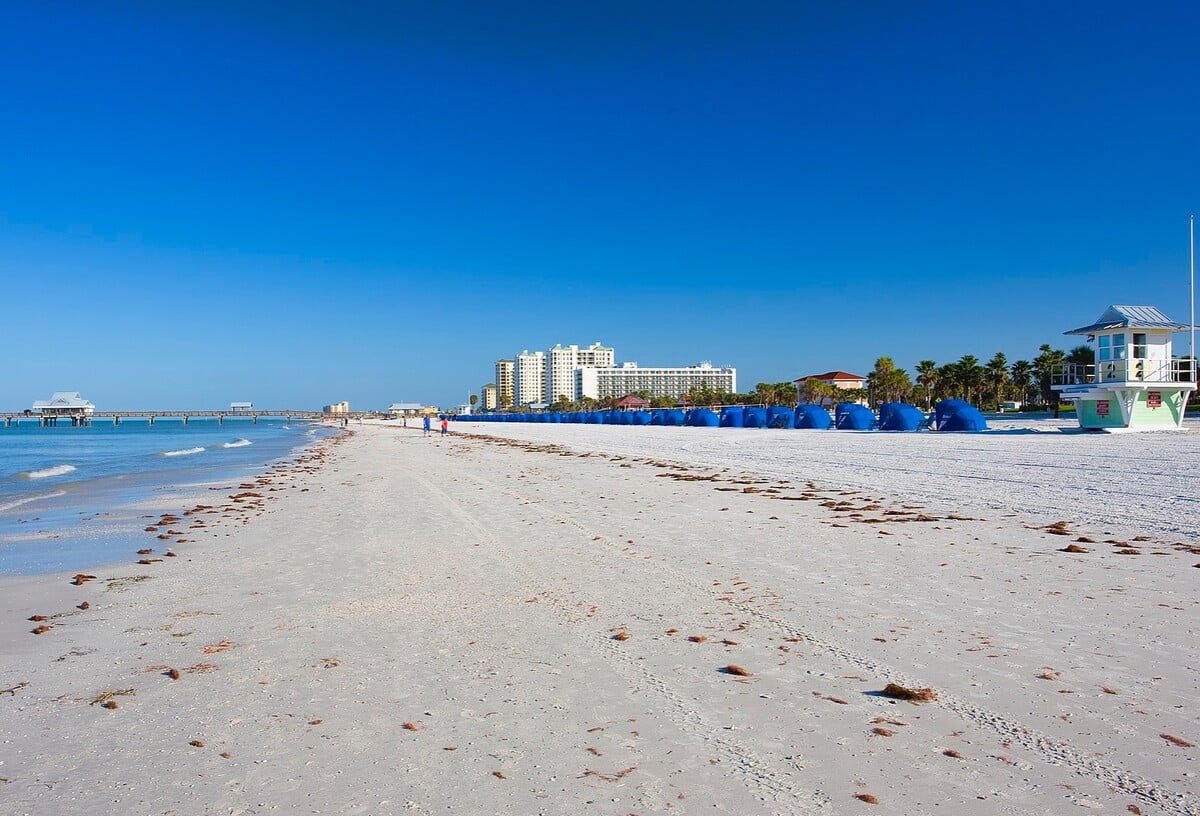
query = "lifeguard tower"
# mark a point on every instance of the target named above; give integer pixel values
(1135, 384)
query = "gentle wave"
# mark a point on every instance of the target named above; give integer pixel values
(13, 504)
(183, 452)
(241, 443)
(44, 473)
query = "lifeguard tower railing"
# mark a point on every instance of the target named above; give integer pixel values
(1178, 369)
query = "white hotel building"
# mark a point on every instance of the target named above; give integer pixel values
(563, 362)
(628, 378)
(529, 378)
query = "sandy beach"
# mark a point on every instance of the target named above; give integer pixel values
(542, 619)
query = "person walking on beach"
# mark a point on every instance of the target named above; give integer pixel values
(445, 426)
(426, 426)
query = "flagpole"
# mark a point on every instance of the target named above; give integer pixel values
(1192, 269)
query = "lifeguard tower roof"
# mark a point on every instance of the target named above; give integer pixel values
(1130, 317)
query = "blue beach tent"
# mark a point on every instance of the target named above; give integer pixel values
(947, 407)
(755, 417)
(732, 416)
(963, 420)
(899, 416)
(702, 418)
(779, 416)
(673, 417)
(640, 417)
(810, 416)
(656, 417)
(853, 417)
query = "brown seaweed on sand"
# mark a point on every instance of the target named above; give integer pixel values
(735, 669)
(1174, 740)
(866, 797)
(898, 692)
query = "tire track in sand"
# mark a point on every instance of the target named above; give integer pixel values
(755, 771)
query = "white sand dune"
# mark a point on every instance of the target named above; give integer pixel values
(470, 589)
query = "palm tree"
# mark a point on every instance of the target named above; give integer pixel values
(1021, 376)
(1043, 365)
(927, 376)
(971, 376)
(997, 374)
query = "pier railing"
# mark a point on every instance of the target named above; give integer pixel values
(1123, 371)
(51, 418)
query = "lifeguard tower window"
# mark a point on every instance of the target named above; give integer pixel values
(1105, 347)
(1139, 346)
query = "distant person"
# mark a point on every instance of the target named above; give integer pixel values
(445, 426)
(426, 426)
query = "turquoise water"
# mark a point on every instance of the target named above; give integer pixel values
(74, 498)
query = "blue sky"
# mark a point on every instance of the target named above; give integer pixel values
(301, 203)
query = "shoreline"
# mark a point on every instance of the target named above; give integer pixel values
(86, 524)
(532, 626)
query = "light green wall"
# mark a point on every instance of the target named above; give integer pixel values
(1143, 416)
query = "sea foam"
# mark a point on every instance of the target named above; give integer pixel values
(14, 504)
(182, 452)
(241, 443)
(44, 473)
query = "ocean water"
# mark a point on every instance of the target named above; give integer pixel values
(77, 498)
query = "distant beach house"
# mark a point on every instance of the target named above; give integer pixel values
(633, 403)
(342, 407)
(403, 409)
(841, 380)
(64, 403)
(241, 406)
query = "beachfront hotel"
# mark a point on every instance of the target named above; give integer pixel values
(629, 378)
(563, 363)
(487, 397)
(529, 378)
(504, 383)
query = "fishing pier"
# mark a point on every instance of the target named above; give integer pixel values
(81, 418)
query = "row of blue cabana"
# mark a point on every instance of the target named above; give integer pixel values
(948, 415)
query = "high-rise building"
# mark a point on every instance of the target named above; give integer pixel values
(628, 378)
(504, 383)
(529, 378)
(487, 396)
(562, 362)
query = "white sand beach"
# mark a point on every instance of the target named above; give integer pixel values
(554, 619)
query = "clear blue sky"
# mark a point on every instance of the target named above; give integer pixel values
(297, 203)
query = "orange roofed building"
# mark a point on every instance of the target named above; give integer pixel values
(633, 403)
(841, 380)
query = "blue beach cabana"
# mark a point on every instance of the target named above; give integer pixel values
(851, 416)
(702, 418)
(965, 419)
(780, 416)
(673, 417)
(754, 417)
(900, 416)
(810, 416)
